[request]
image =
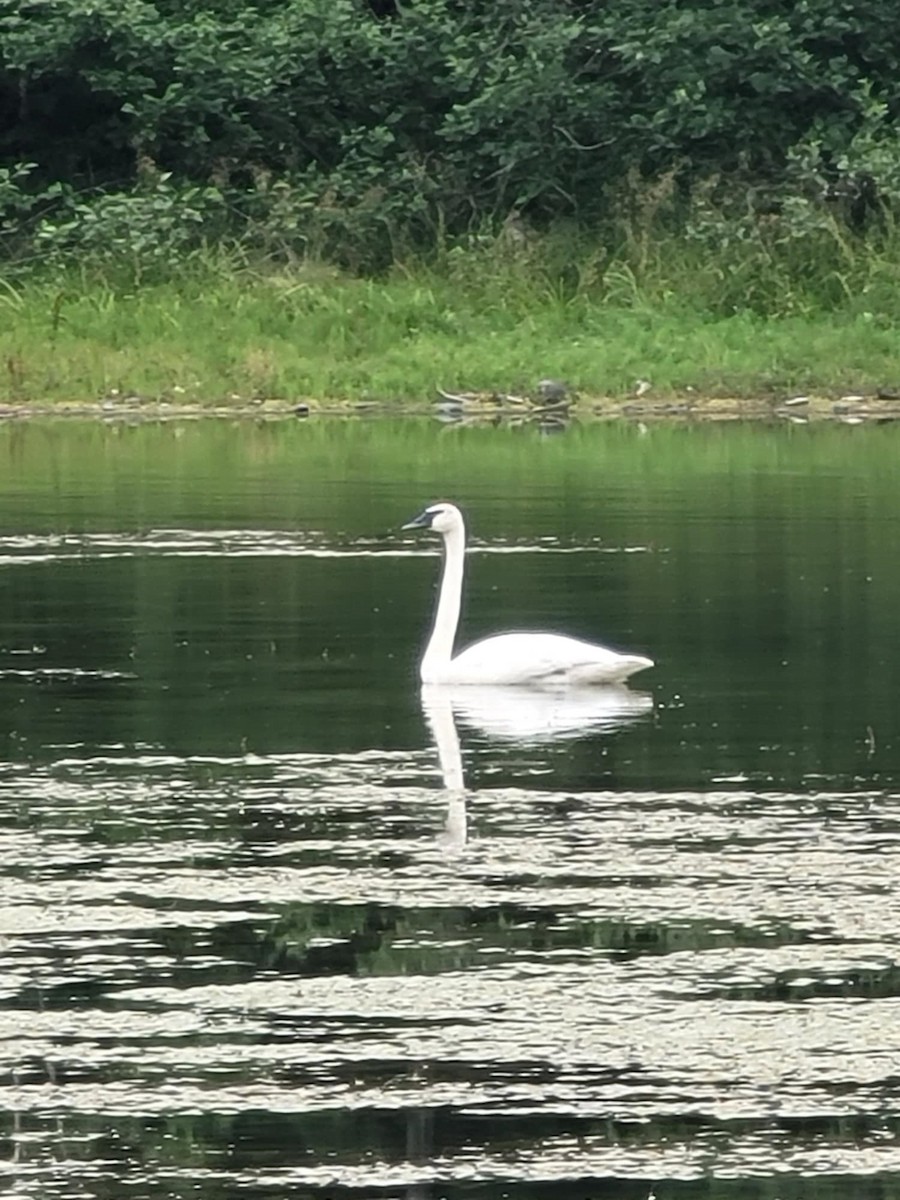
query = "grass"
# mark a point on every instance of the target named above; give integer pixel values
(486, 318)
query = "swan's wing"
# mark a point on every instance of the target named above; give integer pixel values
(542, 658)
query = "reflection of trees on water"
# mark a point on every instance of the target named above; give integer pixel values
(136, 1149)
(737, 599)
(316, 940)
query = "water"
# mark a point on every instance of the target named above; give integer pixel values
(259, 941)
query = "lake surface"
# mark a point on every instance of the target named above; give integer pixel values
(274, 923)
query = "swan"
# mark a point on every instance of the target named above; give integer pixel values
(525, 659)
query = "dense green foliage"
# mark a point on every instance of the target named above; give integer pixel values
(358, 130)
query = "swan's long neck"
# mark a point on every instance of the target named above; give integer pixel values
(439, 650)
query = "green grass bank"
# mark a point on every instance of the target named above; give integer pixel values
(692, 321)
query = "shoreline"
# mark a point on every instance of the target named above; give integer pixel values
(485, 409)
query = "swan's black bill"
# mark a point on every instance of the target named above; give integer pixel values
(422, 521)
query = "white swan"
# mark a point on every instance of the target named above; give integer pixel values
(536, 659)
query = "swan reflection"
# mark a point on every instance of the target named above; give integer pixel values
(520, 715)
(514, 714)
(439, 718)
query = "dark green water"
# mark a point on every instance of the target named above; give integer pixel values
(254, 947)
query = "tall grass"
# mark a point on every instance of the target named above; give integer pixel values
(719, 308)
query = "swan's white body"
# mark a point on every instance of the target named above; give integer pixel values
(535, 659)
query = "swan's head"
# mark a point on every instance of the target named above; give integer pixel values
(442, 518)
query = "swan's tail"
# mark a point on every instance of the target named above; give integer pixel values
(625, 666)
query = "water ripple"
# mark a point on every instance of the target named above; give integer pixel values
(287, 933)
(27, 549)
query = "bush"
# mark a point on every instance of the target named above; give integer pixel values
(357, 129)
(154, 226)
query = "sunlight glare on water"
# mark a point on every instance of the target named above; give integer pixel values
(276, 921)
